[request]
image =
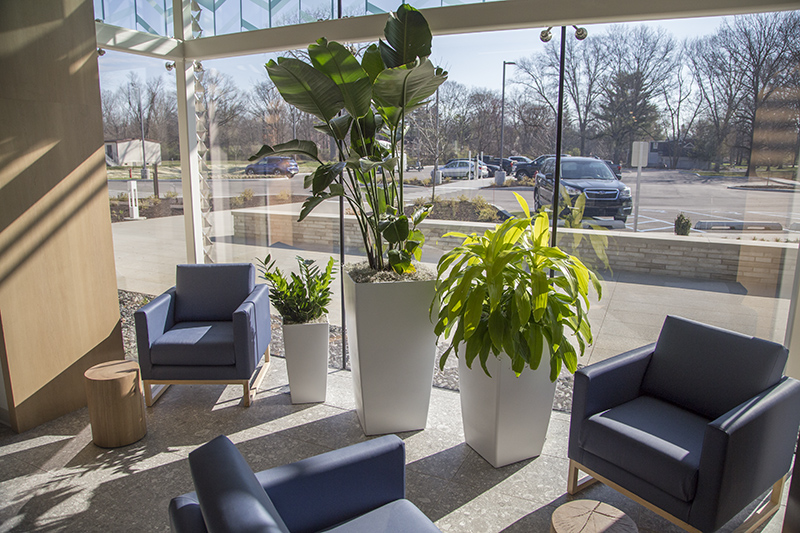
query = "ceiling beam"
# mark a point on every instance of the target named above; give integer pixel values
(137, 42)
(469, 18)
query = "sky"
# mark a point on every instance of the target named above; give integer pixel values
(481, 67)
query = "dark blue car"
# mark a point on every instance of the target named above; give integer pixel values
(273, 166)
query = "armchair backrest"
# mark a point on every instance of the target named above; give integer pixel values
(710, 370)
(212, 292)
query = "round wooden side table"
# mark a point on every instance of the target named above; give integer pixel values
(590, 516)
(116, 404)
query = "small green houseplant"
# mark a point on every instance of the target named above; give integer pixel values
(510, 301)
(302, 300)
(363, 107)
(299, 298)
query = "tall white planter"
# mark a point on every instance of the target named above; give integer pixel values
(505, 417)
(392, 353)
(306, 349)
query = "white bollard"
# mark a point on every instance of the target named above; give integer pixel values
(133, 201)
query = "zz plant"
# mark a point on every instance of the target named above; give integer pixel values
(302, 297)
(510, 291)
(363, 107)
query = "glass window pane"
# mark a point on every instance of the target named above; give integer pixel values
(148, 244)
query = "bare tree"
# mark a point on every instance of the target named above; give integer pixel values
(539, 75)
(640, 63)
(721, 90)
(585, 68)
(532, 129)
(681, 107)
(762, 47)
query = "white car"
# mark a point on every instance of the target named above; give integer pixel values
(462, 168)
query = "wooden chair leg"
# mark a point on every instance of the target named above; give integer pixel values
(765, 511)
(573, 485)
(249, 392)
(151, 395)
(246, 393)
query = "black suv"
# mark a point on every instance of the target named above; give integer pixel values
(606, 196)
(273, 165)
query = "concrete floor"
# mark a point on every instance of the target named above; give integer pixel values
(53, 478)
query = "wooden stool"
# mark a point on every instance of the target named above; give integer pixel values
(116, 405)
(590, 516)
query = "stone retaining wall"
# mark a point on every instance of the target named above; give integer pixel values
(762, 268)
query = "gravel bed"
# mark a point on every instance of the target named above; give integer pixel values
(129, 302)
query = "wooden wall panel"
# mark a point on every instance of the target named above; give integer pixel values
(59, 310)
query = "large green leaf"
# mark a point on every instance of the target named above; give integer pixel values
(372, 62)
(402, 89)
(362, 135)
(407, 37)
(336, 62)
(338, 128)
(291, 147)
(323, 176)
(306, 88)
(474, 310)
(394, 231)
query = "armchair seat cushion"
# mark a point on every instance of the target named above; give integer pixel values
(195, 344)
(399, 516)
(654, 440)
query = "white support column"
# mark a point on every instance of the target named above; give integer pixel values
(187, 133)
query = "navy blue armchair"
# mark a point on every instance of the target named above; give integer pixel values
(357, 489)
(695, 427)
(213, 327)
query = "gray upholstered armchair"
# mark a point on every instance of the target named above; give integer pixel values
(211, 328)
(695, 427)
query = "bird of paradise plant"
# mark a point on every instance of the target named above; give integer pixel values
(363, 107)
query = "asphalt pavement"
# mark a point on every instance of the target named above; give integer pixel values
(664, 194)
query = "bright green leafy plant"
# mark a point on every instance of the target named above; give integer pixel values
(497, 294)
(302, 297)
(363, 107)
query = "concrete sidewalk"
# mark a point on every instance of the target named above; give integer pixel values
(629, 315)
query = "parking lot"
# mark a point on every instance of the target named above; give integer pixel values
(664, 194)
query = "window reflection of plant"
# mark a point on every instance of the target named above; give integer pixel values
(571, 213)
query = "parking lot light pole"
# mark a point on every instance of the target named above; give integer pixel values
(503, 112)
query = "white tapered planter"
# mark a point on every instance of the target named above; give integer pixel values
(306, 349)
(392, 352)
(505, 417)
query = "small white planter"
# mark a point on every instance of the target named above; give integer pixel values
(392, 352)
(306, 349)
(505, 416)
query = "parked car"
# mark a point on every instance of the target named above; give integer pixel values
(492, 169)
(615, 168)
(462, 168)
(606, 196)
(273, 166)
(525, 168)
(508, 164)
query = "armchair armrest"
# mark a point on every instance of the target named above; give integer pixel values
(252, 329)
(745, 451)
(152, 321)
(185, 515)
(343, 484)
(605, 385)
